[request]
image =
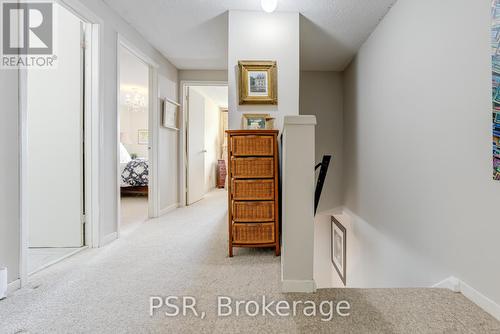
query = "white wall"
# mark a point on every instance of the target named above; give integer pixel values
(262, 36)
(9, 168)
(321, 96)
(130, 123)
(418, 145)
(168, 174)
(202, 75)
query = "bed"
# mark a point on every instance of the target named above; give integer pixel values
(134, 174)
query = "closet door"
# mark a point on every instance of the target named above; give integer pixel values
(195, 147)
(55, 146)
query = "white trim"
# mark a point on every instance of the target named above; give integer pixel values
(97, 104)
(154, 141)
(480, 300)
(23, 177)
(450, 283)
(136, 51)
(305, 286)
(172, 101)
(108, 239)
(168, 209)
(45, 266)
(183, 119)
(13, 286)
(456, 285)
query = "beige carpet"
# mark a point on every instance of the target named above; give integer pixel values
(184, 253)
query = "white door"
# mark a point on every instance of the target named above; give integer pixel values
(55, 149)
(195, 147)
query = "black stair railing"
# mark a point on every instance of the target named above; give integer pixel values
(324, 164)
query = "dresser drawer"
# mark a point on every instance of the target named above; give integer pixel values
(248, 168)
(253, 211)
(253, 190)
(253, 233)
(252, 145)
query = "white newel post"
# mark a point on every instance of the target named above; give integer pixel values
(298, 204)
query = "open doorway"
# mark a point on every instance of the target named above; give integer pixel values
(55, 189)
(206, 146)
(134, 139)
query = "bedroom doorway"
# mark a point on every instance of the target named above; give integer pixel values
(134, 139)
(206, 106)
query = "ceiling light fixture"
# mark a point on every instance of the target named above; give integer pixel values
(269, 6)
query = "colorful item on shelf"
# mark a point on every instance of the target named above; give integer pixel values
(495, 59)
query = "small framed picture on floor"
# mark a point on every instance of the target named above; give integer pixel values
(339, 248)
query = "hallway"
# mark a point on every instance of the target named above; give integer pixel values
(184, 253)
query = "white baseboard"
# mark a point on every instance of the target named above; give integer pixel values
(480, 300)
(456, 285)
(13, 286)
(450, 283)
(306, 286)
(169, 208)
(108, 239)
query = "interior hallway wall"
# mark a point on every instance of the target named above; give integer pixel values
(418, 144)
(203, 75)
(9, 168)
(321, 95)
(263, 36)
(168, 151)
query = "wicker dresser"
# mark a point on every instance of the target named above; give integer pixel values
(253, 189)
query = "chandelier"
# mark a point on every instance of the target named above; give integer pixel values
(135, 101)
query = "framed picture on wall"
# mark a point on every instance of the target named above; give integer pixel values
(169, 115)
(258, 82)
(254, 121)
(339, 248)
(143, 137)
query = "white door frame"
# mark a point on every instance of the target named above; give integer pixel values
(153, 127)
(93, 106)
(184, 119)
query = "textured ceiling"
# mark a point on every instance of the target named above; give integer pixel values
(192, 34)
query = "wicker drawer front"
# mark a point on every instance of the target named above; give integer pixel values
(253, 190)
(253, 211)
(253, 233)
(252, 145)
(253, 168)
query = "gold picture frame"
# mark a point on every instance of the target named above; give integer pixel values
(258, 82)
(254, 121)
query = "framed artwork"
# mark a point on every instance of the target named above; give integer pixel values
(258, 82)
(170, 111)
(143, 137)
(254, 121)
(339, 248)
